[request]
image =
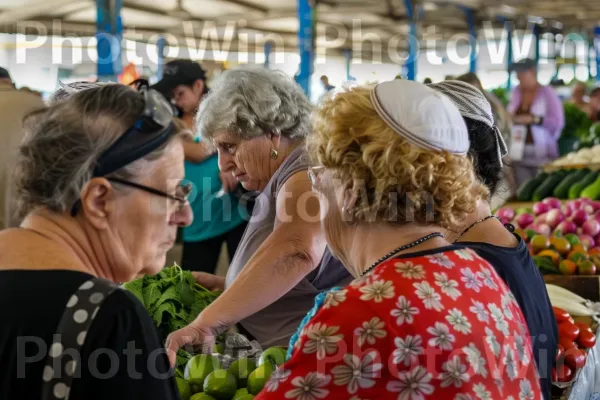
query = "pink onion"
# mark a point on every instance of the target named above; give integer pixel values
(541, 228)
(567, 211)
(554, 217)
(524, 220)
(506, 213)
(587, 241)
(565, 227)
(588, 208)
(595, 205)
(553, 202)
(591, 227)
(579, 217)
(540, 208)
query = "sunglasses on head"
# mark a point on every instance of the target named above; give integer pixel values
(151, 130)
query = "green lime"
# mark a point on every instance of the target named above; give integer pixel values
(183, 387)
(219, 349)
(240, 393)
(276, 354)
(246, 397)
(202, 396)
(241, 369)
(259, 377)
(220, 384)
(530, 233)
(199, 366)
(572, 238)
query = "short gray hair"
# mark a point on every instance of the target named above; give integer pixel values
(250, 103)
(63, 142)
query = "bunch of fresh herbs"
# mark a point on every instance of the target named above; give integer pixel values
(173, 299)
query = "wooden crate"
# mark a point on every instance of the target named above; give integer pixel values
(585, 286)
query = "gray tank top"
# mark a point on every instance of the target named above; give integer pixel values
(275, 324)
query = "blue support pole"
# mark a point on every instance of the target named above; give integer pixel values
(306, 43)
(509, 53)
(536, 38)
(348, 58)
(411, 63)
(268, 51)
(597, 46)
(472, 39)
(589, 58)
(109, 33)
(161, 43)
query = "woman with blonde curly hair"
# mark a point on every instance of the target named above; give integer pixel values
(423, 318)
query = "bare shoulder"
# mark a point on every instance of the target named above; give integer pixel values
(296, 198)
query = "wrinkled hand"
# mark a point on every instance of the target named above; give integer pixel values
(228, 181)
(195, 335)
(523, 119)
(209, 281)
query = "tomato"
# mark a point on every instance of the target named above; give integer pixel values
(560, 314)
(560, 351)
(564, 373)
(586, 339)
(568, 330)
(584, 327)
(566, 343)
(575, 358)
(554, 375)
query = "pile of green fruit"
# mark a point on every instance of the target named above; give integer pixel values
(173, 299)
(563, 184)
(206, 379)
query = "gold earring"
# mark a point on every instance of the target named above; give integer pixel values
(274, 154)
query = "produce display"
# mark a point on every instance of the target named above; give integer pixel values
(209, 377)
(583, 156)
(563, 184)
(563, 238)
(575, 332)
(173, 299)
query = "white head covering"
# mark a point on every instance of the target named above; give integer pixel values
(472, 104)
(421, 115)
(66, 90)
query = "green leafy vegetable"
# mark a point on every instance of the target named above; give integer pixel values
(173, 299)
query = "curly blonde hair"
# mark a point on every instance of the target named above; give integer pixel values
(399, 182)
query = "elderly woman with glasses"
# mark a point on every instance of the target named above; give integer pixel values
(99, 185)
(258, 121)
(423, 319)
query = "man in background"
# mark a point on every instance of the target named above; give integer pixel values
(327, 87)
(595, 104)
(14, 106)
(218, 216)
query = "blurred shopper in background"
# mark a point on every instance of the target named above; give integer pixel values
(327, 87)
(258, 119)
(578, 97)
(14, 106)
(218, 216)
(595, 104)
(538, 118)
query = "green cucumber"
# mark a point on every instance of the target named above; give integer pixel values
(545, 189)
(576, 189)
(562, 190)
(525, 192)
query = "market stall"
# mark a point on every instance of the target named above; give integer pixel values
(563, 236)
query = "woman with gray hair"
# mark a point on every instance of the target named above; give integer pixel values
(258, 121)
(99, 185)
(505, 251)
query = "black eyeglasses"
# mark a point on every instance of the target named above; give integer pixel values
(183, 190)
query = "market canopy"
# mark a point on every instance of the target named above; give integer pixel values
(338, 21)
